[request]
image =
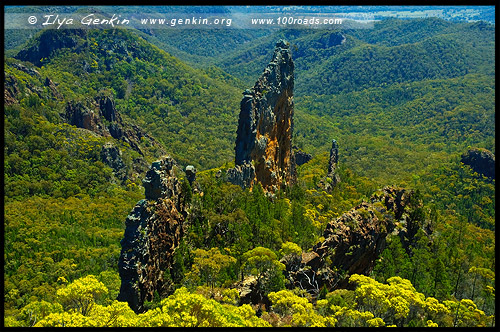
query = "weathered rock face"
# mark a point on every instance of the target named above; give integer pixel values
(81, 116)
(333, 162)
(355, 240)
(190, 174)
(242, 175)
(112, 156)
(107, 108)
(153, 230)
(332, 178)
(481, 161)
(301, 157)
(101, 117)
(265, 126)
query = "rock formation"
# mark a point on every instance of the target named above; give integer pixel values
(354, 241)
(263, 150)
(112, 156)
(301, 157)
(101, 117)
(190, 174)
(332, 178)
(481, 161)
(77, 114)
(48, 42)
(333, 162)
(153, 230)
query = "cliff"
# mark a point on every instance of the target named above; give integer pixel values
(263, 150)
(153, 230)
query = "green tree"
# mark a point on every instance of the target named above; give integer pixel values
(263, 263)
(394, 261)
(185, 309)
(208, 265)
(82, 294)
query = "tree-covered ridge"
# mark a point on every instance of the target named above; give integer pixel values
(46, 156)
(391, 133)
(388, 53)
(170, 100)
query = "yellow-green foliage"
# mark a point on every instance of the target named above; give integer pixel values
(82, 293)
(185, 309)
(373, 304)
(290, 248)
(286, 303)
(397, 302)
(207, 266)
(260, 259)
(180, 309)
(48, 238)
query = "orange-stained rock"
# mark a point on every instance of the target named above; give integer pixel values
(263, 150)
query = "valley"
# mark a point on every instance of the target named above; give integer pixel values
(230, 227)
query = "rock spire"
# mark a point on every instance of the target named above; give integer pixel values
(263, 151)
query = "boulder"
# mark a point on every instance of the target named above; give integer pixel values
(190, 174)
(354, 241)
(302, 157)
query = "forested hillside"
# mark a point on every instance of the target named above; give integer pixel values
(88, 111)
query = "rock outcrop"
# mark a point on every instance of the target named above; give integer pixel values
(48, 42)
(354, 241)
(112, 156)
(153, 230)
(481, 161)
(15, 90)
(301, 157)
(332, 177)
(190, 174)
(333, 162)
(263, 150)
(79, 115)
(101, 116)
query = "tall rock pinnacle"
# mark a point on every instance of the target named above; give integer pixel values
(153, 230)
(263, 151)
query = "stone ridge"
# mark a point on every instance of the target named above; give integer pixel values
(263, 151)
(355, 240)
(153, 230)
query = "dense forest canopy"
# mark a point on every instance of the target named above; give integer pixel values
(88, 111)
